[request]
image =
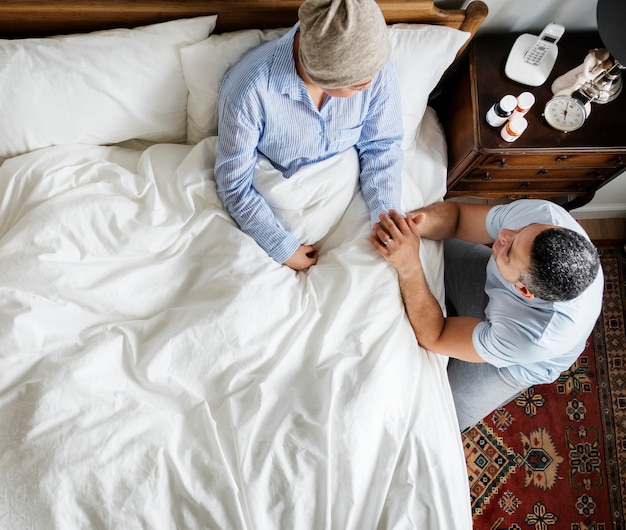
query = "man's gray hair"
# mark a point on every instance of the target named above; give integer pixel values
(563, 263)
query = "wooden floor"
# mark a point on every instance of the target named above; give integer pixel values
(605, 229)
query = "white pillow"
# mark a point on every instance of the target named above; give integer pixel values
(421, 54)
(425, 167)
(97, 88)
(204, 66)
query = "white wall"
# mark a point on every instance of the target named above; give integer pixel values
(531, 16)
(608, 202)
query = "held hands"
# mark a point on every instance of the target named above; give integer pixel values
(303, 258)
(397, 239)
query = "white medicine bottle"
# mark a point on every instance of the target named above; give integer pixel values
(513, 128)
(524, 101)
(501, 111)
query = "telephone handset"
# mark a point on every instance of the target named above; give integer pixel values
(532, 57)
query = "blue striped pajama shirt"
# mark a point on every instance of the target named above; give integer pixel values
(264, 107)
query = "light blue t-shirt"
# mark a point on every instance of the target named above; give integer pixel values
(536, 340)
(265, 107)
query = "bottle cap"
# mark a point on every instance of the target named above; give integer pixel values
(517, 125)
(525, 100)
(508, 103)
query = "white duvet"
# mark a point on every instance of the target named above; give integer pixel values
(159, 371)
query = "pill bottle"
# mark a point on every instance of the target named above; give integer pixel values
(513, 128)
(524, 101)
(501, 111)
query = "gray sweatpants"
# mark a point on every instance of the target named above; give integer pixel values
(477, 388)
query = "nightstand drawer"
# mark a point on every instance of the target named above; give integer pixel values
(505, 187)
(486, 174)
(611, 160)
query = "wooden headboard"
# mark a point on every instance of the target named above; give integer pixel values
(37, 18)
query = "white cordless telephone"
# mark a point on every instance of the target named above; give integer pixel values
(532, 57)
(548, 38)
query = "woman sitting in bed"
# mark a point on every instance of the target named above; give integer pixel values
(324, 87)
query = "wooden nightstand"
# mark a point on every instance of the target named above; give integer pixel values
(543, 162)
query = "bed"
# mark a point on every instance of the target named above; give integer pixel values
(157, 369)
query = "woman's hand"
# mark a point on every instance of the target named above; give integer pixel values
(303, 258)
(397, 239)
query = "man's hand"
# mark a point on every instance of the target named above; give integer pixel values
(447, 336)
(303, 258)
(397, 239)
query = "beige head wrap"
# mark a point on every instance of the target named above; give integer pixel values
(342, 42)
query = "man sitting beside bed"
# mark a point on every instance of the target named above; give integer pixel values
(526, 305)
(326, 86)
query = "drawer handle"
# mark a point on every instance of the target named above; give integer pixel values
(486, 177)
(619, 162)
(560, 158)
(524, 185)
(542, 172)
(502, 162)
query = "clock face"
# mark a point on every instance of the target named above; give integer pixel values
(565, 113)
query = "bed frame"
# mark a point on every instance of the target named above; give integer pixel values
(37, 18)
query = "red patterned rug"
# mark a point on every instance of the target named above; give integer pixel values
(555, 458)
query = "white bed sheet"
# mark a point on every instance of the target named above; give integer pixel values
(158, 370)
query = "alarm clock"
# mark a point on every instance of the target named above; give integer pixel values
(567, 112)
